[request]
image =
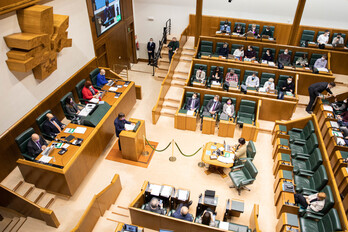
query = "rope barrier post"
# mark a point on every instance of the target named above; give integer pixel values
(145, 153)
(200, 163)
(172, 158)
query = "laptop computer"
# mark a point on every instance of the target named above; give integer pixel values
(130, 228)
(48, 151)
(209, 197)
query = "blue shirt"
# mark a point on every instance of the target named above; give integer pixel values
(101, 80)
(178, 215)
(119, 125)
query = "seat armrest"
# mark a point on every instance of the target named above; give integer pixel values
(237, 167)
(302, 141)
(299, 154)
(247, 182)
(298, 142)
(28, 157)
(306, 191)
(302, 157)
(297, 130)
(310, 214)
(303, 172)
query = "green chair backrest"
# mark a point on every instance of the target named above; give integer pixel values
(263, 81)
(281, 51)
(62, 103)
(329, 200)
(79, 88)
(218, 46)
(244, 102)
(257, 27)
(267, 75)
(319, 178)
(207, 43)
(235, 46)
(223, 23)
(197, 66)
(308, 32)
(224, 100)
(93, 76)
(251, 150)
(299, 54)
(206, 98)
(206, 48)
(249, 73)
(265, 26)
(23, 138)
(236, 71)
(246, 109)
(265, 49)
(213, 67)
(311, 143)
(41, 119)
(310, 38)
(308, 129)
(241, 24)
(315, 160)
(283, 77)
(330, 222)
(314, 58)
(257, 50)
(250, 170)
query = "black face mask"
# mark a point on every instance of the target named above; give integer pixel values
(253, 78)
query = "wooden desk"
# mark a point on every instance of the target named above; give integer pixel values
(286, 204)
(216, 166)
(208, 126)
(337, 161)
(280, 177)
(280, 147)
(287, 220)
(132, 143)
(328, 47)
(120, 226)
(183, 121)
(342, 181)
(280, 190)
(66, 181)
(243, 37)
(226, 128)
(282, 164)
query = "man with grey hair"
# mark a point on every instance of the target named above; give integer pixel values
(155, 206)
(182, 212)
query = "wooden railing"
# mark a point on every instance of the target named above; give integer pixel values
(98, 205)
(156, 111)
(14, 201)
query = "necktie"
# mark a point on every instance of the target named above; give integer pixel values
(56, 125)
(213, 108)
(193, 103)
(38, 144)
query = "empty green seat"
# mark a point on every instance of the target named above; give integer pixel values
(246, 113)
(306, 147)
(40, 122)
(22, 142)
(78, 89)
(330, 222)
(206, 48)
(301, 134)
(307, 35)
(310, 183)
(307, 163)
(243, 175)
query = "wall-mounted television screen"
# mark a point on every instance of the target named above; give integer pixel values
(107, 13)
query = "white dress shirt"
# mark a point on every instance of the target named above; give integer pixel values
(323, 39)
(252, 83)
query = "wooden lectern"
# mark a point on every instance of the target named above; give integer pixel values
(132, 143)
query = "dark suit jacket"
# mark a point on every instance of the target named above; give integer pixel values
(156, 210)
(33, 149)
(210, 104)
(319, 87)
(119, 125)
(151, 46)
(223, 51)
(189, 102)
(51, 129)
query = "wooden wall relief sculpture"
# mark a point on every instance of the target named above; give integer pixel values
(35, 48)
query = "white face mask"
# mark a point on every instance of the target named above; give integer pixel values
(285, 53)
(249, 49)
(322, 58)
(289, 82)
(215, 100)
(194, 97)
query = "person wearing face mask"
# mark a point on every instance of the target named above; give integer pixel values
(239, 30)
(302, 61)
(323, 39)
(216, 76)
(89, 92)
(287, 86)
(227, 110)
(101, 80)
(240, 149)
(239, 52)
(254, 30)
(52, 126)
(71, 107)
(268, 56)
(284, 59)
(250, 53)
(223, 51)
(225, 28)
(36, 145)
(213, 107)
(200, 75)
(338, 40)
(173, 47)
(268, 32)
(320, 63)
(231, 79)
(192, 103)
(269, 85)
(252, 81)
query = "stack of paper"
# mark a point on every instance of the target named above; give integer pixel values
(182, 195)
(129, 127)
(80, 130)
(155, 189)
(190, 112)
(45, 159)
(69, 130)
(328, 108)
(334, 124)
(224, 225)
(226, 160)
(271, 63)
(166, 191)
(323, 70)
(113, 89)
(94, 100)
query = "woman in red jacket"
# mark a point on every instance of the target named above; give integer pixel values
(88, 92)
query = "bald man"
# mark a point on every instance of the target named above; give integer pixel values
(182, 212)
(36, 145)
(155, 206)
(52, 126)
(101, 80)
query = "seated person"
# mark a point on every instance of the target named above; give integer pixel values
(240, 149)
(302, 61)
(239, 29)
(344, 129)
(225, 28)
(250, 53)
(223, 51)
(182, 212)
(287, 86)
(155, 206)
(89, 92)
(269, 85)
(52, 126)
(338, 40)
(239, 52)
(343, 119)
(228, 109)
(200, 75)
(254, 30)
(268, 56)
(284, 59)
(192, 103)
(268, 32)
(71, 107)
(213, 106)
(323, 39)
(231, 79)
(252, 81)
(320, 62)
(216, 76)
(315, 202)
(36, 145)
(101, 81)
(340, 106)
(207, 218)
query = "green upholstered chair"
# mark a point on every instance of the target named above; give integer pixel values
(212, 68)
(188, 95)
(93, 76)
(246, 113)
(195, 68)
(271, 28)
(206, 99)
(251, 152)
(206, 48)
(243, 25)
(243, 175)
(263, 81)
(257, 27)
(301, 134)
(314, 58)
(22, 142)
(78, 89)
(307, 35)
(301, 147)
(235, 227)
(235, 46)
(40, 121)
(281, 79)
(307, 163)
(257, 51)
(218, 46)
(62, 103)
(329, 203)
(223, 23)
(298, 55)
(310, 183)
(330, 222)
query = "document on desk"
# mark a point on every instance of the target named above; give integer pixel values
(323, 70)
(224, 225)
(129, 127)
(334, 124)
(183, 195)
(80, 130)
(113, 89)
(45, 159)
(94, 100)
(270, 63)
(226, 160)
(337, 134)
(166, 191)
(155, 189)
(328, 108)
(69, 130)
(190, 112)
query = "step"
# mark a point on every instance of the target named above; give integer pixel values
(18, 185)
(5, 223)
(35, 195)
(13, 223)
(118, 215)
(185, 57)
(178, 83)
(104, 225)
(9, 213)
(171, 100)
(161, 73)
(168, 112)
(190, 43)
(183, 67)
(47, 200)
(19, 224)
(163, 66)
(170, 105)
(24, 188)
(180, 76)
(188, 52)
(174, 93)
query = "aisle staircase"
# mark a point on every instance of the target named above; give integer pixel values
(11, 221)
(173, 97)
(114, 215)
